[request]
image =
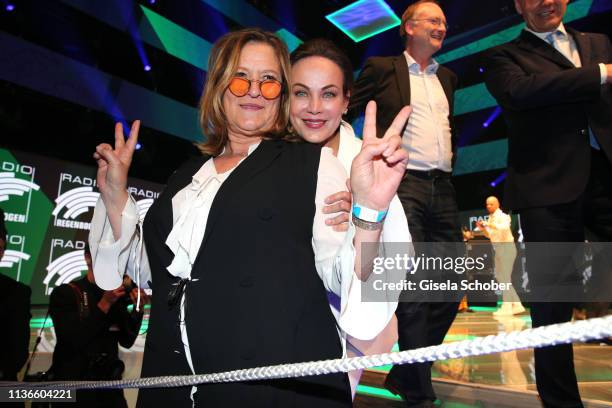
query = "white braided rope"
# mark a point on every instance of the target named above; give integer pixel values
(563, 333)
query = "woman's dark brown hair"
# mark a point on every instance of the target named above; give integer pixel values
(320, 47)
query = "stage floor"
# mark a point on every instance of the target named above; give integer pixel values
(504, 379)
(497, 380)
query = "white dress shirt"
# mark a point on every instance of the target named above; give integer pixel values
(334, 251)
(427, 137)
(498, 227)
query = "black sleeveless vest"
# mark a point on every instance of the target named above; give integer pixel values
(255, 298)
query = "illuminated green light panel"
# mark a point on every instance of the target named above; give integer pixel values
(383, 393)
(173, 39)
(364, 19)
(37, 322)
(248, 16)
(481, 157)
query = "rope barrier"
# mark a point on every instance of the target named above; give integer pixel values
(562, 333)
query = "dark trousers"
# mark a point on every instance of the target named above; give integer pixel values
(554, 366)
(431, 209)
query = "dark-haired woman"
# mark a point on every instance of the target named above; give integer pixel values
(322, 79)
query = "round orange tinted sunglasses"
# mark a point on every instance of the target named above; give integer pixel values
(269, 88)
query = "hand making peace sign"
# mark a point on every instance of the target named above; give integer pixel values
(378, 169)
(113, 167)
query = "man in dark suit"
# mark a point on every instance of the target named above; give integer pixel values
(414, 78)
(553, 84)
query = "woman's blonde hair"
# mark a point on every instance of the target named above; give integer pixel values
(222, 64)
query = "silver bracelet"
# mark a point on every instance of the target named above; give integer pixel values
(367, 225)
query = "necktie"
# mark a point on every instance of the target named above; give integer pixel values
(565, 49)
(556, 39)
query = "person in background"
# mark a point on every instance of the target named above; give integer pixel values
(467, 234)
(322, 81)
(414, 78)
(498, 228)
(89, 325)
(15, 317)
(553, 85)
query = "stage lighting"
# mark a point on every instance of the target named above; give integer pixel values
(499, 179)
(138, 146)
(147, 67)
(9, 7)
(364, 19)
(481, 70)
(492, 117)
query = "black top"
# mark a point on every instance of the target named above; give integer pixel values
(258, 299)
(15, 317)
(84, 332)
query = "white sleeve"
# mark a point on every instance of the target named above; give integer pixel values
(335, 260)
(113, 258)
(328, 244)
(395, 229)
(501, 222)
(603, 73)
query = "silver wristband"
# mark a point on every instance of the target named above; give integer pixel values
(367, 225)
